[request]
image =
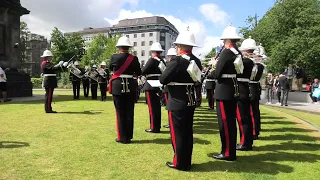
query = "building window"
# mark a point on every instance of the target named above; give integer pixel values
(142, 35)
(150, 34)
(135, 35)
(127, 36)
(142, 43)
(135, 44)
(142, 63)
(142, 53)
(150, 43)
(162, 43)
(162, 34)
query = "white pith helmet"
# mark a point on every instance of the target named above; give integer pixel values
(94, 66)
(47, 53)
(103, 64)
(172, 52)
(248, 44)
(76, 63)
(123, 41)
(230, 32)
(186, 38)
(156, 47)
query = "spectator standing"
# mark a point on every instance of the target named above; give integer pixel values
(269, 84)
(290, 75)
(300, 74)
(315, 85)
(3, 85)
(285, 88)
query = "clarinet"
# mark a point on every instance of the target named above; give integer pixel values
(210, 66)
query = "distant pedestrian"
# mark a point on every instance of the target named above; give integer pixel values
(269, 84)
(3, 85)
(300, 74)
(315, 85)
(285, 88)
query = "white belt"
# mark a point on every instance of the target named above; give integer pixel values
(210, 80)
(228, 76)
(254, 82)
(46, 75)
(180, 84)
(126, 76)
(243, 79)
(152, 75)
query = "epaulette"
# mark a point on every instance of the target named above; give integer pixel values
(185, 57)
(234, 50)
(156, 58)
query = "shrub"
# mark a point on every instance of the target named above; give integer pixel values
(36, 82)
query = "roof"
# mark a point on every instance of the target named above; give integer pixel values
(91, 30)
(144, 21)
(14, 5)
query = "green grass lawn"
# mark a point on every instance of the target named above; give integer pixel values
(79, 143)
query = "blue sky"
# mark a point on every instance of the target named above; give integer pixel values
(237, 10)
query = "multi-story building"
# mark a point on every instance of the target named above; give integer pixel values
(35, 45)
(142, 32)
(89, 32)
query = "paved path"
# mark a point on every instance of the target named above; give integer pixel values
(300, 106)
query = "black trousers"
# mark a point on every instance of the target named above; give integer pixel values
(124, 105)
(226, 113)
(255, 117)
(279, 96)
(48, 99)
(76, 89)
(86, 89)
(103, 89)
(210, 97)
(198, 95)
(154, 105)
(94, 91)
(284, 96)
(244, 123)
(181, 131)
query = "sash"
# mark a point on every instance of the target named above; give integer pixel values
(120, 71)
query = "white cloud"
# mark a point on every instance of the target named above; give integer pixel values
(212, 12)
(205, 42)
(70, 15)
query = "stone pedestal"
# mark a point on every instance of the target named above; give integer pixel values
(18, 83)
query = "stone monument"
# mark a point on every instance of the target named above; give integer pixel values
(18, 83)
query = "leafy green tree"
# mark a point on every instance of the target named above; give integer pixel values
(100, 49)
(24, 32)
(65, 47)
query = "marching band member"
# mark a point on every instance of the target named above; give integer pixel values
(226, 93)
(182, 101)
(255, 91)
(86, 83)
(172, 52)
(123, 89)
(94, 84)
(50, 80)
(243, 106)
(103, 80)
(75, 83)
(210, 85)
(152, 72)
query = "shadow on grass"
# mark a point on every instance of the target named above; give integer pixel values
(84, 112)
(278, 122)
(289, 146)
(288, 130)
(271, 117)
(12, 144)
(168, 141)
(290, 137)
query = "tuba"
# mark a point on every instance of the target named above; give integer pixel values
(74, 70)
(94, 75)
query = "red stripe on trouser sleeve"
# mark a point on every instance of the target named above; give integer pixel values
(150, 110)
(240, 125)
(173, 139)
(117, 124)
(253, 122)
(226, 131)
(166, 97)
(49, 99)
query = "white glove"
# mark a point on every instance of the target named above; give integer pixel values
(60, 63)
(65, 64)
(69, 65)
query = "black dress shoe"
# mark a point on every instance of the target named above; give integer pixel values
(255, 137)
(51, 112)
(123, 142)
(211, 109)
(166, 126)
(244, 148)
(170, 165)
(152, 131)
(224, 158)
